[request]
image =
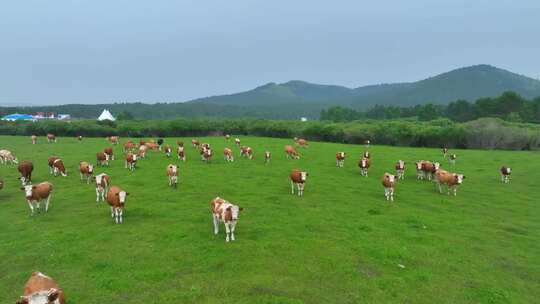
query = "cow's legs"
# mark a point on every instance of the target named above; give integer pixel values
(391, 194)
(440, 188)
(47, 202)
(112, 212)
(227, 232)
(233, 226)
(121, 215)
(31, 207)
(300, 189)
(97, 195)
(292, 187)
(81, 176)
(216, 224)
(38, 207)
(455, 190)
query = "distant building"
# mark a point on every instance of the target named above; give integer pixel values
(16, 117)
(106, 115)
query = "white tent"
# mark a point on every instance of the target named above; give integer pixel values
(106, 115)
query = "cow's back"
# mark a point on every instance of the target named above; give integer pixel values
(112, 197)
(40, 282)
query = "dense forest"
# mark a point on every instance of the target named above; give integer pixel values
(509, 106)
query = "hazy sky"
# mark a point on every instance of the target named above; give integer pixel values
(96, 51)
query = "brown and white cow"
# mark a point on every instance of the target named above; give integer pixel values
(302, 143)
(114, 140)
(42, 289)
(102, 185)
(298, 178)
(290, 152)
(505, 174)
(79, 138)
(56, 166)
(419, 171)
(7, 157)
(340, 159)
(429, 169)
(364, 164)
(86, 170)
(226, 213)
(152, 146)
(109, 151)
(207, 155)
(116, 198)
(172, 174)
(34, 139)
(51, 138)
(246, 152)
(36, 193)
(227, 137)
(444, 151)
(400, 169)
(102, 159)
(367, 142)
(366, 155)
(181, 153)
(267, 157)
(451, 180)
(237, 141)
(389, 183)
(142, 151)
(129, 146)
(25, 168)
(131, 161)
(195, 143)
(160, 143)
(168, 151)
(452, 159)
(228, 155)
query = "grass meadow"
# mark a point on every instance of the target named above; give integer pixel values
(340, 243)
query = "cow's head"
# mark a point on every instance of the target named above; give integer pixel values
(401, 164)
(389, 177)
(459, 178)
(107, 157)
(28, 189)
(122, 196)
(419, 165)
(98, 178)
(436, 165)
(134, 157)
(303, 176)
(234, 211)
(208, 151)
(91, 169)
(508, 170)
(366, 154)
(50, 296)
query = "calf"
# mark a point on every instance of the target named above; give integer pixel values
(102, 184)
(51, 138)
(429, 169)
(7, 157)
(451, 180)
(452, 159)
(227, 213)
(298, 178)
(389, 182)
(109, 152)
(246, 152)
(364, 164)
(400, 169)
(116, 198)
(34, 139)
(142, 151)
(56, 166)
(168, 151)
(102, 159)
(290, 152)
(181, 153)
(86, 170)
(228, 154)
(172, 173)
(131, 161)
(25, 168)
(505, 174)
(36, 193)
(114, 140)
(267, 157)
(340, 159)
(41, 289)
(195, 143)
(237, 141)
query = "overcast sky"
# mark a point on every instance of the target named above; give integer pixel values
(54, 52)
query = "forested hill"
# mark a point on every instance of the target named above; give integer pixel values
(295, 99)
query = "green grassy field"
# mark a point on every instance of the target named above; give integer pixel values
(340, 243)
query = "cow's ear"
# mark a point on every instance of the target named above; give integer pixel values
(53, 294)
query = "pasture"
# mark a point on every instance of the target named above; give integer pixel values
(340, 243)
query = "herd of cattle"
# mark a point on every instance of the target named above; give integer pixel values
(42, 289)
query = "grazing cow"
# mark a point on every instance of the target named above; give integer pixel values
(109, 151)
(42, 289)
(36, 193)
(102, 159)
(227, 137)
(207, 155)
(237, 141)
(290, 152)
(195, 143)
(302, 143)
(246, 152)
(228, 154)
(419, 171)
(364, 164)
(227, 213)
(267, 157)
(129, 146)
(181, 153)
(56, 166)
(389, 182)
(168, 151)
(131, 161)
(51, 138)
(172, 173)
(142, 151)
(7, 157)
(451, 180)
(160, 143)
(25, 168)
(429, 169)
(444, 151)
(102, 184)
(79, 138)
(366, 155)
(452, 159)
(505, 174)
(400, 169)
(34, 139)
(152, 146)
(86, 170)
(340, 159)
(116, 198)
(298, 178)
(114, 140)
(367, 142)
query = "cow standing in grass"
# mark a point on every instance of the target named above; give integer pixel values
(160, 143)
(298, 179)
(42, 289)
(168, 151)
(142, 151)
(227, 137)
(102, 159)
(367, 142)
(267, 157)
(419, 171)
(195, 143)
(246, 152)
(34, 139)
(51, 138)
(129, 146)
(505, 174)
(56, 166)
(7, 157)
(237, 142)
(400, 169)
(36, 193)
(181, 153)
(389, 183)
(131, 161)
(340, 159)
(116, 198)
(172, 174)
(228, 155)
(86, 171)
(114, 140)
(445, 151)
(25, 168)
(364, 164)
(302, 143)
(227, 213)
(109, 151)
(451, 180)
(452, 159)
(429, 169)
(207, 155)
(79, 138)
(290, 152)
(102, 185)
